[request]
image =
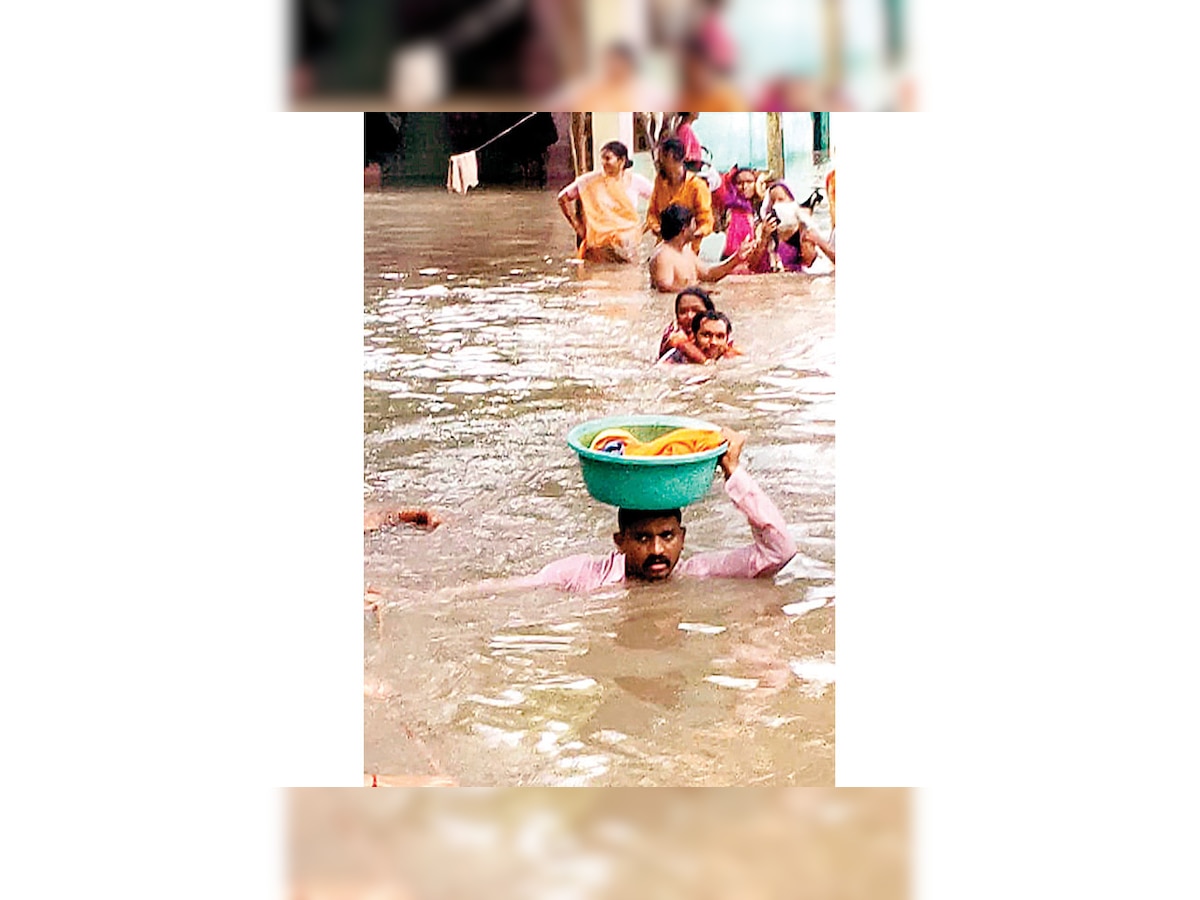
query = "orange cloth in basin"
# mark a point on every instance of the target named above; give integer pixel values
(679, 442)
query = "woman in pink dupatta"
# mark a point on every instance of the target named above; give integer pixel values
(742, 223)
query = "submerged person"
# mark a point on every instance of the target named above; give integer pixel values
(650, 542)
(675, 264)
(602, 207)
(712, 336)
(831, 190)
(676, 185)
(797, 242)
(739, 202)
(678, 334)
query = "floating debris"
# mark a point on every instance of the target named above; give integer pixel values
(818, 670)
(805, 606)
(701, 628)
(741, 684)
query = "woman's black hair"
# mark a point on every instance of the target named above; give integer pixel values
(672, 147)
(616, 148)
(699, 293)
(627, 518)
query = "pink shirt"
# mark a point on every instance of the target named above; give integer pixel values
(772, 549)
(691, 144)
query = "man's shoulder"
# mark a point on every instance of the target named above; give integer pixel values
(583, 571)
(664, 253)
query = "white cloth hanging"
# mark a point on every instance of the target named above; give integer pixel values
(464, 167)
(464, 172)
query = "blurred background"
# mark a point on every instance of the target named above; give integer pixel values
(603, 55)
(543, 843)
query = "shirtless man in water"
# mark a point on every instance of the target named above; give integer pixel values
(675, 264)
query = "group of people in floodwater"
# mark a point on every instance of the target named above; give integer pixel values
(767, 229)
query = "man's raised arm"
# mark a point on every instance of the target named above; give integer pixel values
(773, 547)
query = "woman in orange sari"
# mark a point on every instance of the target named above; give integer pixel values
(601, 207)
(675, 184)
(831, 190)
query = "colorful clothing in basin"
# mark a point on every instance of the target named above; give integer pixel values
(772, 549)
(692, 193)
(679, 442)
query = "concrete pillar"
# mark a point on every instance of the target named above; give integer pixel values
(611, 126)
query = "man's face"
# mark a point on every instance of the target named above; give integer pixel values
(712, 338)
(651, 547)
(612, 164)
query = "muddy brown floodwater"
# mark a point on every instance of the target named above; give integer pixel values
(484, 345)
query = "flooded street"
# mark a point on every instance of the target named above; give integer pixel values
(483, 347)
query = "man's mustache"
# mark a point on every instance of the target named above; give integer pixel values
(655, 560)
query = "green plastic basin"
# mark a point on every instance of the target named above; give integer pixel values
(644, 482)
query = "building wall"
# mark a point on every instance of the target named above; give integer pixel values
(535, 154)
(741, 138)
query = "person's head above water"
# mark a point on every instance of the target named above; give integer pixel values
(711, 331)
(676, 220)
(651, 540)
(746, 182)
(614, 158)
(688, 302)
(780, 192)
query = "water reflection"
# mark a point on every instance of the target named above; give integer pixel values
(475, 370)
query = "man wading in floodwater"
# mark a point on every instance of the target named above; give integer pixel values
(649, 543)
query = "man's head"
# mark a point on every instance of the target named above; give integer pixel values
(711, 332)
(677, 220)
(651, 541)
(614, 158)
(670, 159)
(688, 302)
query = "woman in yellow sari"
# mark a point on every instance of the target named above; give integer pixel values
(675, 184)
(602, 207)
